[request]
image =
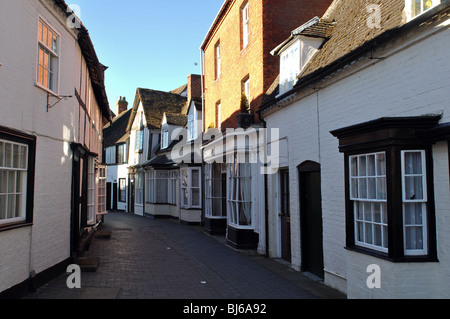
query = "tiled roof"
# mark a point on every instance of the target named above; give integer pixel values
(351, 28)
(155, 103)
(350, 35)
(176, 119)
(116, 131)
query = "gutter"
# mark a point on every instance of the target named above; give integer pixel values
(266, 191)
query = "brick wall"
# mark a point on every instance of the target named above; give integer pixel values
(270, 24)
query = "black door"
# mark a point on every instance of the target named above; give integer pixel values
(131, 193)
(311, 219)
(285, 216)
(108, 196)
(114, 204)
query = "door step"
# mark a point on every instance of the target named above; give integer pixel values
(87, 264)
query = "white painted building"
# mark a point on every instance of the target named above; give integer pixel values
(52, 183)
(364, 151)
(116, 145)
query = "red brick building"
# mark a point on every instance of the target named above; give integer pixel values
(237, 57)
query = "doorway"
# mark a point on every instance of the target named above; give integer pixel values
(311, 218)
(285, 216)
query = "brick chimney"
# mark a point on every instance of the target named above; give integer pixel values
(194, 86)
(122, 105)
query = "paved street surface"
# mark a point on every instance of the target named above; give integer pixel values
(162, 259)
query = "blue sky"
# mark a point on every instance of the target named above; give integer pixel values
(152, 44)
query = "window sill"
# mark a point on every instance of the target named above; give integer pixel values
(47, 90)
(16, 225)
(385, 256)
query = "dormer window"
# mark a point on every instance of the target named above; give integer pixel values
(294, 58)
(164, 137)
(192, 127)
(298, 49)
(290, 67)
(415, 8)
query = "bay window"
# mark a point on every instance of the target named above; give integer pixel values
(214, 190)
(91, 191)
(368, 194)
(389, 188)
(101, 190)
(239, 194)
(139, 200)
(414, 202)
(191, 187)
(161, 187)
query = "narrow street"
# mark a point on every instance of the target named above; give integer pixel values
(162, 259)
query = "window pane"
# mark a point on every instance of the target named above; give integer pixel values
(184, 178)
(354, 188)
(413, 213)
(381, 188)
(371, 165)
(414, 238)
(161, 191)
(3, 182)
(377, 240)
(367, 211)
(354, 166)
(413, 188)
(23, 157)
(377, 212)
(362, 188)
(11, 213)
(16, 156)
(195, 178)
(8, 155)
(360, 234)
(413, 163)
(2, 154)
(371, 188)
(362, 166)
(11, 182)
(195, 197)
(3, 207)
(368, 234)
(381, 164)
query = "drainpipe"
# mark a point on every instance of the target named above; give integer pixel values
(266, 209)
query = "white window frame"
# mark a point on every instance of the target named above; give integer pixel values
(139, 186)
(410, 8)
(290, 67)
(245, 26)
(91, 192)
(8, 169)
(210, 180)
(52, 51)
(235, 192)
(376, 201)
(101, 190)
(189, 187)
(192, 126)
(422, 202)
(217, 60)
(164, 138)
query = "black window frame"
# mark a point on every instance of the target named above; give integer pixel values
(30, 140)
(391, 136)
